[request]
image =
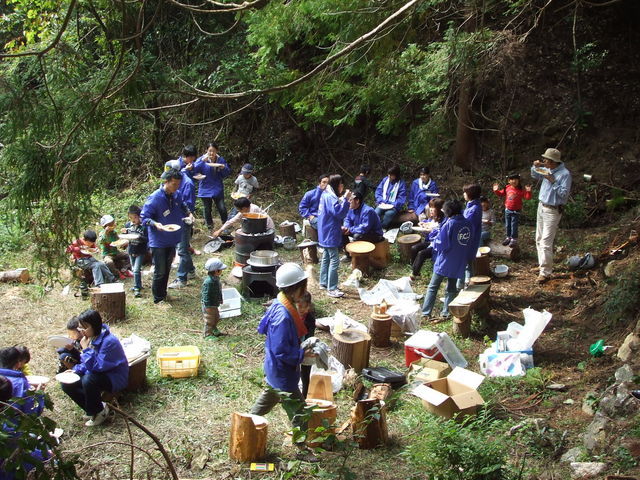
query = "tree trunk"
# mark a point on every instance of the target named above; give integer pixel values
(248, 438)
(20, 275)
(465, 149)
(111, 306)
(369, 424)
(351, 348)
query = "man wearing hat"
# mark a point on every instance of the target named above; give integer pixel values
(554, 193)
(164, 207)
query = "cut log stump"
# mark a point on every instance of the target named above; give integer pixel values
(380, 329)
(352, 348)
(499, 250)
(474, 297)
(369, 424)
(111, 306)
(248, 438)
(20, 275)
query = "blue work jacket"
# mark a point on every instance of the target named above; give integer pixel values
(418, 198)
(310, 202)
(362, 220)
(473, 213)
(105, 355)
(452, 245)
(211, 186)
(401, 197)
(331, 214)
(166, 209)
(30, 404)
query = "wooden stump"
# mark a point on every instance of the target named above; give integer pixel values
(311, 233)
(381, 255)
(111, 306)
(462, 326)
(381, 391)
(396, 331)
(352, 347)
(499, 250)
(324, 415)
(475, 297)
(360, 252)
(248, 438)
(320, 387)
(380, 329)
(309, 252)
(20, 275)
(481, 265)
(287, 230)
(405, 243)
(369, 424)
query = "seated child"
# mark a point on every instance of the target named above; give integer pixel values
(307, 312)
(82, 251)
(72, 351)
(243, 205)
(246, 182)
(212, 297)
(137, 248)
(488, 218)
(117, 261)
(25, 358)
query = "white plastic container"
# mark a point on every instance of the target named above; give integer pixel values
(231, 303)
(451, 353)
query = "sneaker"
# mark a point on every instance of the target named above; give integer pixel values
(506, 241)
(345, 259)
(99, 418)
(177, 284)
(335, 293)
(322, 287)
(136, 293)
(542, 279)
(513, 243)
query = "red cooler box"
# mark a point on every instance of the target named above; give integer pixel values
(422, 341)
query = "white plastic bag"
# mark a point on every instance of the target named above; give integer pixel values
(336, 370)
(407, 314)
(500, 364)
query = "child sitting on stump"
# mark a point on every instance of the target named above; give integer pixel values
(70, 352)
(212, 298)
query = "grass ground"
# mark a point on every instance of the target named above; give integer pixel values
(191, 416)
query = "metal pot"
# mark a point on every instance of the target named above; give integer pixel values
(265, 258)
(254, 223)
(241, 258)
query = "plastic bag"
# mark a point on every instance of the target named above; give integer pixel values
(336, 370)
(495, 364)
(407, 315)
(354, 279)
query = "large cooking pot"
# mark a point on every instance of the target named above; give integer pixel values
(254, 223)
(263, 258)
(241, 258)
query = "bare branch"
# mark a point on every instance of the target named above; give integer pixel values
(220, 118)
(213, 34)
(55, 41)
(233, 6)
(155, 109)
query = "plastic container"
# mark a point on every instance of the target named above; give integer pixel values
(421, 344)
(450, 352)
(178, 362)
(231, 303)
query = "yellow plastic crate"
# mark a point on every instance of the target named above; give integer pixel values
(178, 362)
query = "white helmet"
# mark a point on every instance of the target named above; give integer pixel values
(289, 274)
(106, 220)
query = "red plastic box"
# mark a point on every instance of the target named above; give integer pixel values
(422, 341)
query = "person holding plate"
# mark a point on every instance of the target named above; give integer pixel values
(103, 367)
(423, 189)
(553, 196)
(10, 368)
(82, 251)
(211, 188)
(391, 195)
(165, 213)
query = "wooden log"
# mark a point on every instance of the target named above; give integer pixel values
(323, 415)
(320, 387)
(287, 230)
(309, 252)
(20, 275)
(381, 255)
(499, 250)
(381, 391)
(311, 233)
(360, 252)
(351, 348)
(380, 329)
(471, 298)
(405, 243)
(396, 331)
(369, 424)
(111, 306)
(481, 265)
(462, 326)
(248, 438)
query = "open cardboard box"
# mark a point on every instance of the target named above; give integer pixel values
(427, 370)
(455, 394)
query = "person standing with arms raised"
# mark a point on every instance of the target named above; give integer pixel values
(553, 196)
(215, 169)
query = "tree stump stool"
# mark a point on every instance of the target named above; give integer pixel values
(369, 424)
(110, 305)
(323, 414)
(287, 229)
(481, 264)
(360, 252)
(381, 255)
(405, 243)
(248, 438)
(311, 233)
(309, 251)
(352, 348)
(380, 329)
(474, 297)
(499, 250)
(20, 275)
(320, 387)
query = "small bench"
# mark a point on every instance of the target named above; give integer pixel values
(474, 297)
(137, 378)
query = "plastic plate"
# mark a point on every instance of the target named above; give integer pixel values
(67, 377)
(35, 380)
(129, 236)
(172, 227)
(59, 341)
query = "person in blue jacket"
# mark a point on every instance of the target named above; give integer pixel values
(422, 190)
(310, 202)
(472, 212)
(187, 191)
(10, 368)
(391, 195)
(103, 367)
(452, 246)
(284, 328)
(362, 222)
(163, 207)
(210, 189)
(188, 160)
(332, 211)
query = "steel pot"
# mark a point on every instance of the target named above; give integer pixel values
(241, 258)
(254, 223)
(264, 258)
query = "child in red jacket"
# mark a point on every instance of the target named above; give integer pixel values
(513, 193)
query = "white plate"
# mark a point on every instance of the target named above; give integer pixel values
(120, 243)
(89, 251)
(542, 170)
(420, 229)
(199, 176)
(129, 236)
(59, 341)
(172, 227)
(68, 377)
(35, 380)
(385, 206)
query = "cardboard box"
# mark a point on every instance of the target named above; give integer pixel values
(426, 370)
(455, 394)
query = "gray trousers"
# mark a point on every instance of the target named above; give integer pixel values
(293, 405)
